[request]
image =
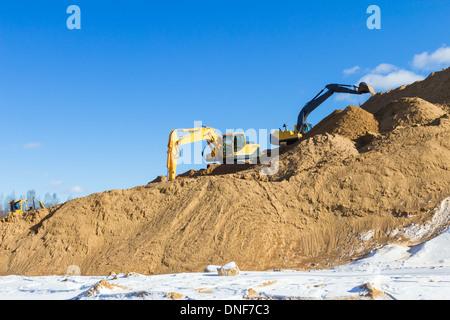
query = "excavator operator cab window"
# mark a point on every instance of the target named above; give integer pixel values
(239, 142)
(306, 128)
(227, 144)
(16, 206)
(227, 139)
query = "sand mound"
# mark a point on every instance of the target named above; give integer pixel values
(360, 175)
(434, 89)
(408, 112)
(311, 154)
(353, 123)
(217, 169)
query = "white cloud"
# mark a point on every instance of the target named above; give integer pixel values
(385, 68)
(32, 145)
(348, 98)
(391, 80)
(351, 70)
(56, 182)
(387, 76)
(432, 61)
(76, 190)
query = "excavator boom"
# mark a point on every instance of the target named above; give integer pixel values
(213, 139)
(321, 97)
(287, 136)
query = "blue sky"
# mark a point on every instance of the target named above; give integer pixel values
(90, 110)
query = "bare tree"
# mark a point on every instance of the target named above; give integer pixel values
(31, 194)
(48, 199)
(9, 198)
(3, 211)
(51, 199)
(55, 199)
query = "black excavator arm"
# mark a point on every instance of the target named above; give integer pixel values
(302, 126)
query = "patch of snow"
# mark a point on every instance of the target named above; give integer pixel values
(439, 221)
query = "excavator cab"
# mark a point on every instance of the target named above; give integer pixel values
(236, 147)
(18, 207)
(307, 127)
(239, 142)
(233, 143)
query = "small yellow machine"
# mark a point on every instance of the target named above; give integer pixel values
(226, 148)
(17, 207)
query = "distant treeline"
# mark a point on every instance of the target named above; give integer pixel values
(48, 200)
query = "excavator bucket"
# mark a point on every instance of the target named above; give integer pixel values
(365, 88)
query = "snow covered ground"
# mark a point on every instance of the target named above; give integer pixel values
(393, 272)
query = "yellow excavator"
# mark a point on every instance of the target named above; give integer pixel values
(17, 207)
(290, 136)
(227, 148)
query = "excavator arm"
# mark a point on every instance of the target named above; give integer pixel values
(288, 136)
(213, 139)
(302, 126)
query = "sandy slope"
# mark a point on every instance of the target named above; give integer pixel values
(392, 272)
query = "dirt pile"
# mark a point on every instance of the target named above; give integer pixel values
(434, 89)
(353, 123)
(215, 169)
(407, 112)
(352, 184)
